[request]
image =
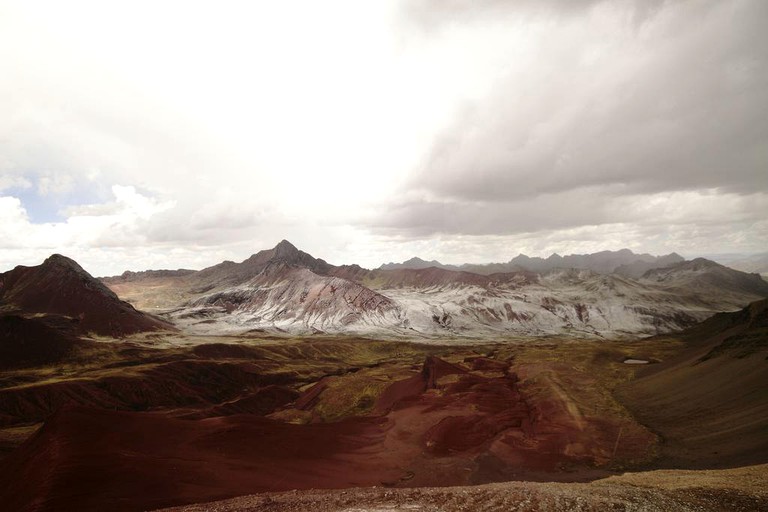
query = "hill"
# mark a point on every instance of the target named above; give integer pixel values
(59, 286)
(709, 403)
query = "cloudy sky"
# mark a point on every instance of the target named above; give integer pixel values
(140, 135)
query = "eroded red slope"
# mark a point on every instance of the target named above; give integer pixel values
(447, 424)
(87, 459)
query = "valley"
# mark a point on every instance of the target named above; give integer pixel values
(271, 415)
(285, 373)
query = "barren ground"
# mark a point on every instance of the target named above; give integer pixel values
(732, 490)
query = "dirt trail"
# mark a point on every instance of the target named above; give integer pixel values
(567, 401)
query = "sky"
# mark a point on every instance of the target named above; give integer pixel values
(137, 135)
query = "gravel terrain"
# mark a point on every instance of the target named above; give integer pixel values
(741, 489)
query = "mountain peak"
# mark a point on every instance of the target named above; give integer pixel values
(61, 269)
(230, 273)
(285, 244)
(704, 264)
(285, 249)
(416, 259)
(414, 263)
(58, 259)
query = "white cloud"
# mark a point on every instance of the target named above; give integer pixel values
(8, 181)
(12, 214)
(116, 224)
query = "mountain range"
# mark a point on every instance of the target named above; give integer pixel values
(623, 262)
(284, 289)
(757, 263)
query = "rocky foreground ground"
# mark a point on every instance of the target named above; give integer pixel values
(742, 489)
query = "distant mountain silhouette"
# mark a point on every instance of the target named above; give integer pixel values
(623, 262)
(413, 263)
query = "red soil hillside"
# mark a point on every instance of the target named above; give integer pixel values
(28, 342)
(444, 424)
(59, 286)
(141, 461)
(201, 385)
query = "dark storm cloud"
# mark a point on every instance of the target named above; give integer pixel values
(423, 217)
(679, 105)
